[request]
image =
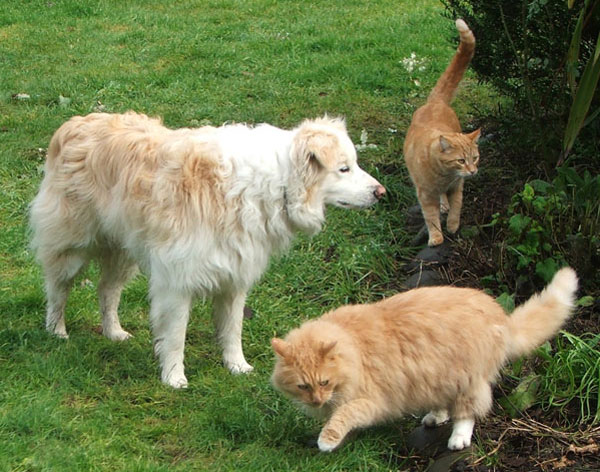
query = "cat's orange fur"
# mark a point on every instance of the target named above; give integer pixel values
(434, 349)
(437, 154)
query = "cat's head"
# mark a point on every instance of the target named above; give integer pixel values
(310, 369)
(459, 153)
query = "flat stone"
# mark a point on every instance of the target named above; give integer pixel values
(433, 442)
(430, 440)
(438, 254)
(424, 278)
(421, 237)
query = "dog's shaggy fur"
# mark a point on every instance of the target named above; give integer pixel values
(199, 210)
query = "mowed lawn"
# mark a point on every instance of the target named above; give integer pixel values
(90, 404)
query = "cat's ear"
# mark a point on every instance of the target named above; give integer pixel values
(474, 136)
(444, 144)
(326, 348)
(280, 347)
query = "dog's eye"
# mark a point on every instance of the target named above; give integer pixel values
(345, 169)
(303, 386)
(323, 383)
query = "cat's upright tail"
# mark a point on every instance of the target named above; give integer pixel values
(542, 316)
(447, 84)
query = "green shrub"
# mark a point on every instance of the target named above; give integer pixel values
(523, 49)
(550, 224)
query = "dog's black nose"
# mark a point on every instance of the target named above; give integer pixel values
(379, 191)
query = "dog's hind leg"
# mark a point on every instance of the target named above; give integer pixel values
(117, 268)
(169, 314)
(59, 272)
(228, 317)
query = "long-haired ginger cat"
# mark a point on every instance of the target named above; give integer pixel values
(437, 154)
(435, 349)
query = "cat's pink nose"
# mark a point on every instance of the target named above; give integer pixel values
(379, 191)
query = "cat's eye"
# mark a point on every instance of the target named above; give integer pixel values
(476, 160)
(303, 386)
(344, 169)
(461, 161)
(323, 383)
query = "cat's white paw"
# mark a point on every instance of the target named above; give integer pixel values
(461, 434)
(459, 441)
(435, 418)
(325, 446)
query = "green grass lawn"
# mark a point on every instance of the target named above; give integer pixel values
(90, 404)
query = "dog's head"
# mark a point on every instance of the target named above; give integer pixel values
(325, 171)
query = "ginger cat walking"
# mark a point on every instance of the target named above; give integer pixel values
(435, 349)
(437, 154)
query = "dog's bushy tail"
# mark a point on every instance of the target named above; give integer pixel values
(541, 317)
(447, 84)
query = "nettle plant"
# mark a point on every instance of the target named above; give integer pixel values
(551, 224)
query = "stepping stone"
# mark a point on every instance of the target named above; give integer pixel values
(433, 442)
(424, 278)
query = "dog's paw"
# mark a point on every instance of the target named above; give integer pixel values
(117, 335)
(175, 377)
(57, 329)
(177, 382)
(62, 334)
(239, 367)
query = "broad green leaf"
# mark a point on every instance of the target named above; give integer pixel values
(546, 269)
(523, 396)
(518, 223)
(506, 301)
(583, 99)
(573, 52)
(587, 300)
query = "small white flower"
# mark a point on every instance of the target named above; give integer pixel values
(413, 63)
(364, 136)
(363, 142)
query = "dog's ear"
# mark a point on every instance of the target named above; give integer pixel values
(313, 150)
(322, 149)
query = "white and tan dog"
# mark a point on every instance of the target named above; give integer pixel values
(199, 210)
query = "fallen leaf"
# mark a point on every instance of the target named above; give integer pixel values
(591, 448)
(562, 463)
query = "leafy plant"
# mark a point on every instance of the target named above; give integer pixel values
(550, 224)
(544, 55)
(585, 90)
(572, 374)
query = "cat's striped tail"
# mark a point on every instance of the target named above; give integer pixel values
(447, 84)
(541, 317)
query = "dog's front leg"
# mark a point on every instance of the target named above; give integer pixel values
(228, 316)
(169, 314)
